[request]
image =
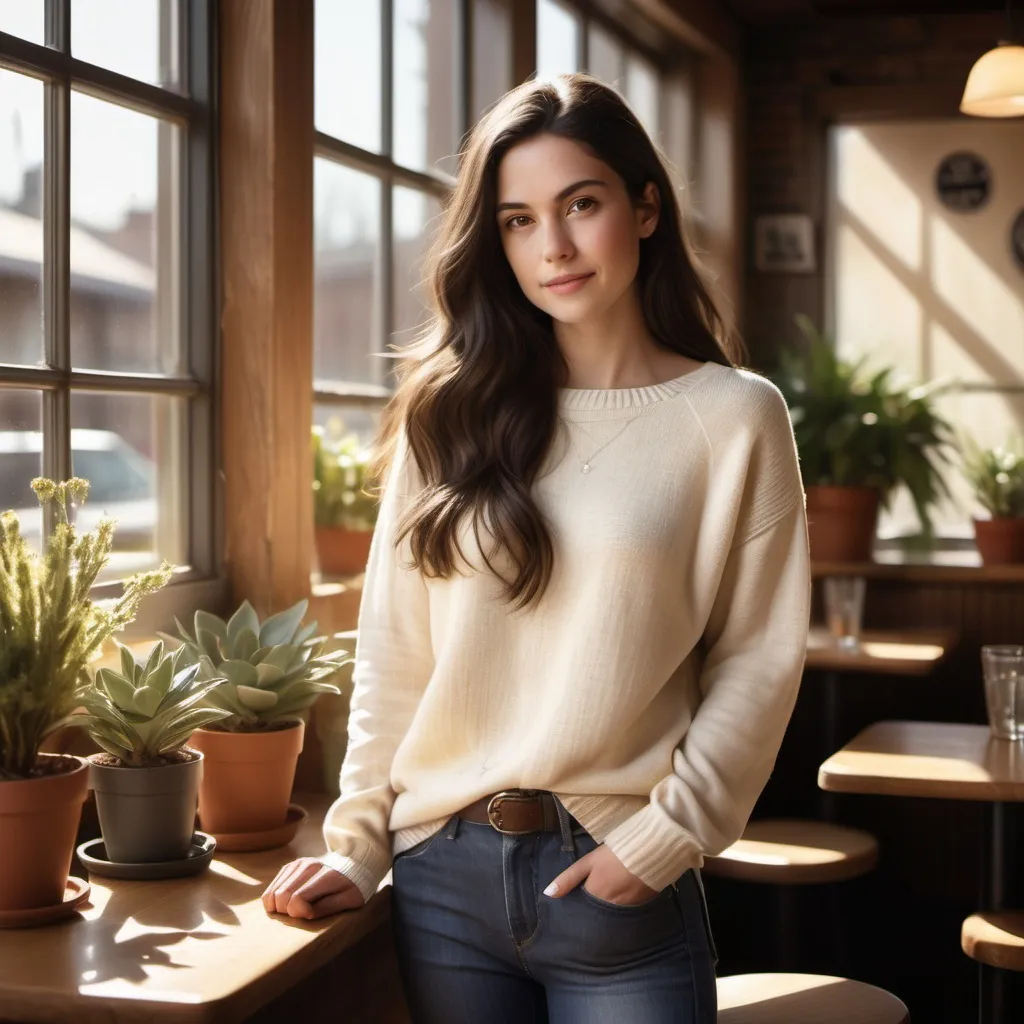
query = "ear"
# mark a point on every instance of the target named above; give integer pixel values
(648, 210)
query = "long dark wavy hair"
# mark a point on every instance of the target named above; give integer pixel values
(477, 390)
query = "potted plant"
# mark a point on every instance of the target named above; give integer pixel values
(274, 671)
(147, 781)
(996, 476)
(344, 512)
(50, 629)
(860, 438)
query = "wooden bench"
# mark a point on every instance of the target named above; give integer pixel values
(805, 999)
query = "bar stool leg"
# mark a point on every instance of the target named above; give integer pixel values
(787, 953)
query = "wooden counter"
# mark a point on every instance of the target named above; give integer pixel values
(907, 652)
(179, 950)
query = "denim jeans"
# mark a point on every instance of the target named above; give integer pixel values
(479, 943)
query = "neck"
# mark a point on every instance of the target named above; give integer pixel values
(615, 352)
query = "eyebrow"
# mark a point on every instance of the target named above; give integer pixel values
(566, 192)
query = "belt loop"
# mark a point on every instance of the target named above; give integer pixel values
(568, 840)
(452, 828)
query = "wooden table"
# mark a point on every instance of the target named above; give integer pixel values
(180, 950)
(949, 762)
(901, 652)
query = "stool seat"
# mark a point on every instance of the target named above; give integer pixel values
(805, 999)
(996, 939)
(784, 851)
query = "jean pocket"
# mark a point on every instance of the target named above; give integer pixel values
(424, 845)
(620, 908)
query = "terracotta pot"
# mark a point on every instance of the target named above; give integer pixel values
(1000, 541)
(342, 552)
(841, 523)
(247, 777)
(38, 826)
(147, 815)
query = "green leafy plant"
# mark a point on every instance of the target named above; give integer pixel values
(273, 669)
(339, 480)
(50, 628)
(996, 476)
(859, 429)
(147, 711)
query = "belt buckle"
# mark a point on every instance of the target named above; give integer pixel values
(494, 809)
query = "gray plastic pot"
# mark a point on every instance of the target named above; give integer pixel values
(147, 815)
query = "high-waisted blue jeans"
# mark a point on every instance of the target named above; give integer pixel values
(479, 943)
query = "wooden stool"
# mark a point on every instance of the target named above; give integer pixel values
(805, 999)
(791, 852)
(996, 940)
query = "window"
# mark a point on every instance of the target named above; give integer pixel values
(106, 277)
(383, 167)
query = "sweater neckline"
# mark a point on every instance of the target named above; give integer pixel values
(597, 399)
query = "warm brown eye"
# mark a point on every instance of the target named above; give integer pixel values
(511, 222)
(583, 199)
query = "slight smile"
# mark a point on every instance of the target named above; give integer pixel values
(568, 283)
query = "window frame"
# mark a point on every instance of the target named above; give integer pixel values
(192, 107)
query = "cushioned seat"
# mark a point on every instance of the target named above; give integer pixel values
(996, 939)
(805, 999)
(796, 852)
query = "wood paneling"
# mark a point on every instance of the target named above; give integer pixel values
(266, 132)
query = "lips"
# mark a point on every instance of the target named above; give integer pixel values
(566, 279)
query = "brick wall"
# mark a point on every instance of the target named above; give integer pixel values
(800, 77)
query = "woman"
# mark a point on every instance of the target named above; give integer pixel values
(586, 603)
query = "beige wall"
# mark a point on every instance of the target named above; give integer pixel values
(916, 285)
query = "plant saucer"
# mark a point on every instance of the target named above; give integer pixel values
(76, 892)
(268, 839)
(93, 855)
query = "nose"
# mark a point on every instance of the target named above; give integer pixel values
(557, 242)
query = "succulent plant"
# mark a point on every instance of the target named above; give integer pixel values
(274, 669)
(147, 710)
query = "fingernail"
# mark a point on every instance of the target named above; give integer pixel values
(552, 889)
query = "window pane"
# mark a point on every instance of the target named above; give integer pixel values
(347, 70)
(679, 123)
(133, 451)
(138, 38)
(24, 18)
(427, 63)
(557, 40)
(21, 224)
(492, 53)
(21, 458)
(642, 92)
(346, 226)
(414, 226)
(124, 240)
(605, 55)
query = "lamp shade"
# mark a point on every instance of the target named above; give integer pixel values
(995, 86)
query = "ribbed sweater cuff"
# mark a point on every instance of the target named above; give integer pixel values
(367, 878)
(654, 847)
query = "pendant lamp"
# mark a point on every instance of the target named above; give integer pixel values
(995, 86)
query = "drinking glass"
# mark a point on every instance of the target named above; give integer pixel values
(844, 609)
(1003, 668)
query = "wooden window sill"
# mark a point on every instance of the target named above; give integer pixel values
(180, 950)
(924, 567)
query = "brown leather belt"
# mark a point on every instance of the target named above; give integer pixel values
(515, 812)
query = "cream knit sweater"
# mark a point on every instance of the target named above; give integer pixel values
(651, 685)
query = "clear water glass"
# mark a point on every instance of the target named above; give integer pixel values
(1003, 669)
(844, 609)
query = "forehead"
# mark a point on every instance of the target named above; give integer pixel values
(538, 168)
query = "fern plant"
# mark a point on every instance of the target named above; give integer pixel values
(857, 429)
(273, 669)
(147, 711)
(996, 476)
(50, 628)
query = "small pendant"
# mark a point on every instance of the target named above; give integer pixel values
(586, 467)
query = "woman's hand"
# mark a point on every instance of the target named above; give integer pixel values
(307, 888)
(606, 878)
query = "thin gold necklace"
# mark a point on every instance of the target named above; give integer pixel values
(587, 464)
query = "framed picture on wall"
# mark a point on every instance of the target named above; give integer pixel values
(784, 243)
